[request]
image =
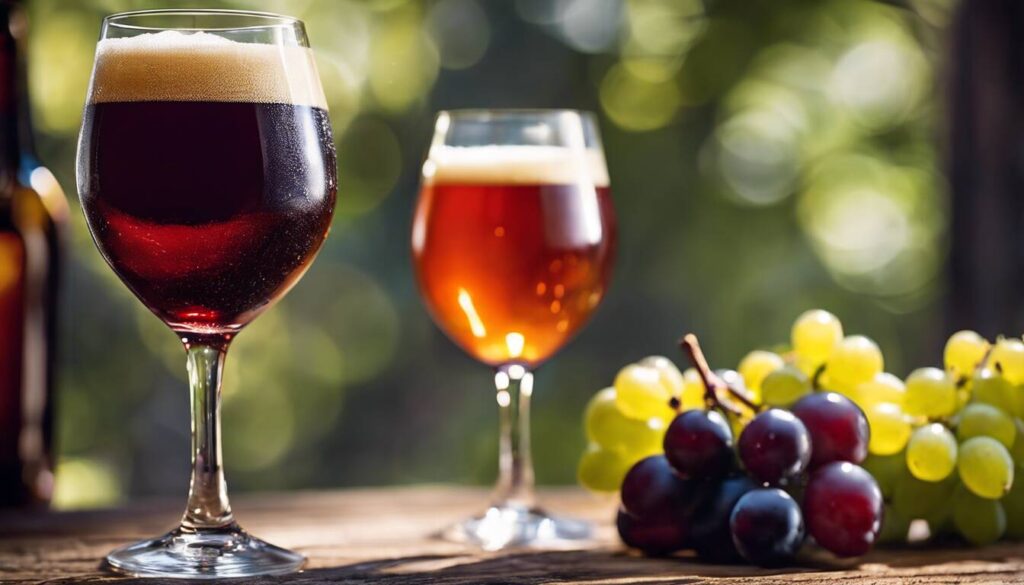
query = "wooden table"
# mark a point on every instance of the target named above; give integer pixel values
(384, 536)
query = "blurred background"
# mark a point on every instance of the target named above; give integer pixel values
(766, 158)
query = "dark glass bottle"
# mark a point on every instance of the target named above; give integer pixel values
(33, 217)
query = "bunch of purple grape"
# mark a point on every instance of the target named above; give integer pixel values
(789, 474)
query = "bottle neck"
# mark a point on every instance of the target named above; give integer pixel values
(15, 124)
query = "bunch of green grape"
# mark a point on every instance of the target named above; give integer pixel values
(951, 443)
(945, 443)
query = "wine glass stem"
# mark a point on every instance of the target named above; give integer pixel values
(514, 384)
(208, 505)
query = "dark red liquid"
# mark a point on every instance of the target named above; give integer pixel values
(208, 211)
(511, 272)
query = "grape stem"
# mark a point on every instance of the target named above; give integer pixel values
(965, 378)
(984, 360)
(816, 378)
(712, 381)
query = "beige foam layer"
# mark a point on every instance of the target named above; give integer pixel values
(173, 66)
(515, 165)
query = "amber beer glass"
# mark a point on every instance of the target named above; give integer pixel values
(33, 218)
(206, 170)
(513, 242)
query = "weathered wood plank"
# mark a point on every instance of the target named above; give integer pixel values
(385, 536)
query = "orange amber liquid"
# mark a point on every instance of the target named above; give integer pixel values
(511, 272)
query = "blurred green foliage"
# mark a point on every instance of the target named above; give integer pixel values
(766, 157)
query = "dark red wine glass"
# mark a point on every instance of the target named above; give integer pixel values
(206, 170)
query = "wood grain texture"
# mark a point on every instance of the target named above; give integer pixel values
(385, 536)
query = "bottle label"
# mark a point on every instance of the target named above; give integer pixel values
(12, 327)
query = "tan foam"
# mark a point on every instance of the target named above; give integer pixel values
(174, 66)
(515, 165)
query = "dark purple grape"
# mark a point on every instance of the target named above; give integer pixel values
(767, 527)
(698, 444)
(710, 534)
(655, 536)
(653, 488)
(843, 509)
(775, 446)
(839, 430)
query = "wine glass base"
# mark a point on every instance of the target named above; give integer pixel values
(205, 554)
(519, 527)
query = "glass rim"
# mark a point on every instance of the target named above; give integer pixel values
(513, 112)
(274, 20)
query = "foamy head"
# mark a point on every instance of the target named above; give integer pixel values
(173, 66)
(515, 165)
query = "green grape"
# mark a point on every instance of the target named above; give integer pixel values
(784, 386)
(755, 366)
(895, 527)
(887, 470)
(693, 390)
(641, 394)
(931, 453)
(931, 392)
(809, 368)
(827, 382)
(737, 423)
(984, 420)
(670, 376)
(985, 467)
(601, 470)
(964, 351)
(854, 360)
(915, 499)
(963, 396)
(890, 429)
(884, 387)
(940, 519)
(1017, 449)
(814, 335)
(1008, 357)
(978, 520)
(1013, 504)
(1018, 400)
(991, 388)
(608, 427)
